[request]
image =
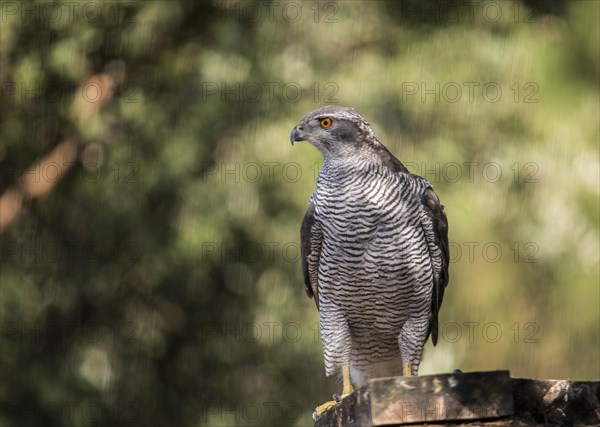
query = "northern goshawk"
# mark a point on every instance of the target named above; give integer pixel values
(374, 245)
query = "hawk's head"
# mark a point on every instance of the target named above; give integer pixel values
(336, 131)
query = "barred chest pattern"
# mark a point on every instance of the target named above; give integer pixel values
(374, 265)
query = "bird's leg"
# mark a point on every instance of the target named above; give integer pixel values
(346, 384)
(406, 370)
(346, 390)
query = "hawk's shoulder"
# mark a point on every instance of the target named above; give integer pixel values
(389, 160)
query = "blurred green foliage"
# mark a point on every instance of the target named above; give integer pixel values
(158, 283)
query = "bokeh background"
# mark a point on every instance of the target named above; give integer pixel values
(150, 199)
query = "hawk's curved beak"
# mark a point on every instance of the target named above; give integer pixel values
(298, 133)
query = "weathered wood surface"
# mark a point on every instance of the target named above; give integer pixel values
(468, 399)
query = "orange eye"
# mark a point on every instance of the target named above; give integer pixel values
(326, 123)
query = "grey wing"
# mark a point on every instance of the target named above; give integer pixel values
(435, 225)
(310, 248)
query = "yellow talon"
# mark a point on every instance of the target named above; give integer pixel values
(346, 390)
(407, 371)
(321, 409)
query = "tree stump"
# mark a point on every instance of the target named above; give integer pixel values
(467, 399)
